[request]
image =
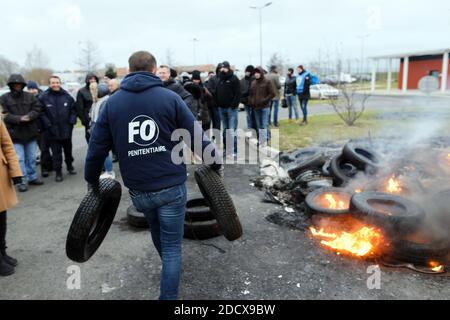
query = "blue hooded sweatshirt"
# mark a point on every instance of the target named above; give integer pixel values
(139, 121)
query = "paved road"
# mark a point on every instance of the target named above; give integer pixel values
(269, 262)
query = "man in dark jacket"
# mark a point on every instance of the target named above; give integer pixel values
(21, 112)
(202, 96)
(261, 94)
(246, 83)
(228, 97)
(171, 84)
(60, 115)
(290, 92)
(84, 103)
(211, 85)
(139, 121)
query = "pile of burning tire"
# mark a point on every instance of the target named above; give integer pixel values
(378, 218)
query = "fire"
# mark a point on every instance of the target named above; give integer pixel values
(448, 156)
(436, 266)
(358, 190)
(360, 243)
(333, 203)
(394, 185)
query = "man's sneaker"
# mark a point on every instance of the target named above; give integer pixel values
(22, 187)
(5, 268)
(59, 177)
(108, 175)
(45, 174)
(36, 182)
(72, 171)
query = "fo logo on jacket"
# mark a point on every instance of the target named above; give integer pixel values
(143, 131)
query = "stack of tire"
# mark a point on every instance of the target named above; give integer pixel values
(199, 224)
(209, 214)
(350, 162)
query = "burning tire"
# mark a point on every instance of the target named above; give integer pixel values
(202, 230)
(220, 202)
(315, 162)
(341, 171)
(394, 214)
(328, 201)
(197, 209)
(92, 220)
(421, 248)
(136, 218)
(361, 157)
(290, 157)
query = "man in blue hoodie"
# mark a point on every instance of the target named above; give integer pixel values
(139, 121)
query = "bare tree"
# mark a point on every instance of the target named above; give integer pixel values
(350, 105)
(7, 67)
(89, 57)
(278, 61)
(36, 59)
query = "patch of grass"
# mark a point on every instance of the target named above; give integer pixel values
(329, 127)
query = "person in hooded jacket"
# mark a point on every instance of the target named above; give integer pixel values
(84, 103)
(170, 83)
(261, 94)
(21, 115)
(61, 116)
(140, 121)
(202, 96)
(211, 85)
(228, 97)
(246, 83)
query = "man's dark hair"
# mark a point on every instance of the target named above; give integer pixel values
(301, 67)
(54, 77)
(291, 70)
(142, 61)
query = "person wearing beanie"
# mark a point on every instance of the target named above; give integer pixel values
(246, 83)
(10, 174)
(202, 96)
(261, 95)
(22, 111)
(33, 88)
(228, 97)
(60, 115)
(274, 78)
(84, 103)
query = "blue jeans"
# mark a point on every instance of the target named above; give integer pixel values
(292, 104)
(275, 106)
(262, 124)
(250, 117)
(304, 107)
(165, 213)
(27, 160)
(229, 119)
(215, 116)
(108, 163)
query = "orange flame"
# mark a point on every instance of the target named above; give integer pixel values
(360, 243)
(448, 156)
(394, 185)
(358, 190)
(333, 203)
(436, 266)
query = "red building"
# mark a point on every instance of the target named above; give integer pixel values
(416, 65)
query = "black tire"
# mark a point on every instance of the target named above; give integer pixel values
(315, 162)
(197, 209)
(290, 158)
(92, 220)
(136, 218)
(202, 230)
(405, 215)
(326, 168)
(361, 157)
(220, 202)
(312, 207)
(341, 171)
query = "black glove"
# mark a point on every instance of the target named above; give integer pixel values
(17, 180)
(218, 168)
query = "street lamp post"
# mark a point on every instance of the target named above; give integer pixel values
(260, 9)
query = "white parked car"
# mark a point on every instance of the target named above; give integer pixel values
(323, 91)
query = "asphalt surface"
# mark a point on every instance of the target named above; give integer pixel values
(268, 262)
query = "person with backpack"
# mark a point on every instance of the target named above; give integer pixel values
(303, 93)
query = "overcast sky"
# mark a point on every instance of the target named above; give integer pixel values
(226, 29)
